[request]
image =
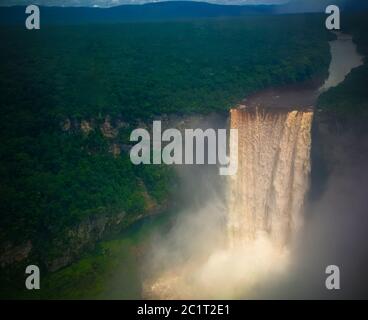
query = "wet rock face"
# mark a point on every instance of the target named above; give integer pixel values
(66, 124)
(70, 244)
(115, 149)
(84, 236)
(81, 237)
(10, 253)
(339, 148)
(108, 130)
(342, 143)
(86, 126)
(67, 246)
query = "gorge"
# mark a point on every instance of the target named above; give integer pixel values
(265, 199)
(226, 237)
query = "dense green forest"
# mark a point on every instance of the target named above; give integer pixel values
(54, 174)
(134, 70)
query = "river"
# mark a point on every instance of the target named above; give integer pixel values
(113, 270)
(345, 57)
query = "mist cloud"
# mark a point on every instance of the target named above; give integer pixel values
(192, 260)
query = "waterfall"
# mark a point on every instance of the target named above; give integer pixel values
(266, 195)
(264, 210)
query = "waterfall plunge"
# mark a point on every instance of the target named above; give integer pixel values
(266, 195)
(265, 202)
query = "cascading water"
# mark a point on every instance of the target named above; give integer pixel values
(265, 202)
(265, 197)
(267, 193)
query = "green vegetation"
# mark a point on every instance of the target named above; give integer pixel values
(142, 70)
(348, 102)
(52, 178)
(110, 271)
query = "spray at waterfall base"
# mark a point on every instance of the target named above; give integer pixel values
(264, 211)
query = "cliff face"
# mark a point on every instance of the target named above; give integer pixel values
(82, 237)
(336, 143)
(73, 241)
(339, 150)
(11, 253)
(70, 244)
(52, 249)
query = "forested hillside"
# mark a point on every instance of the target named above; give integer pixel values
(156, 11)
(72, 13)
(70, 96)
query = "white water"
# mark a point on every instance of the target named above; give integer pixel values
(266, 196)
(265, 203)
(267, 193)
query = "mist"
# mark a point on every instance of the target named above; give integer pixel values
(191, 260)
(334, 231)
(194, 261)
